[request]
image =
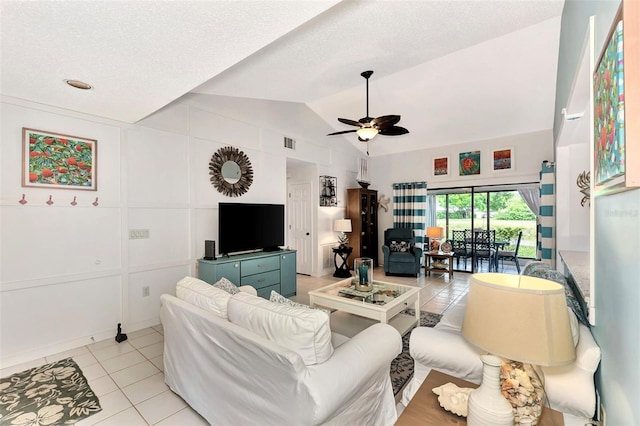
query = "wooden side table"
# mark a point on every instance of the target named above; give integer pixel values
(424, 409)
(434, 259)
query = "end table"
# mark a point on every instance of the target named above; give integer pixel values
(342, 253)
(424, 409)
(438, 262)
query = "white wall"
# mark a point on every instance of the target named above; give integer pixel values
(529, 151)
(616, 236)
(70, 274)
(572, 219)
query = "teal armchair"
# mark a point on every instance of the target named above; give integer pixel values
(401, 256)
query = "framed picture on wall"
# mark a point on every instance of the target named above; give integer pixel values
(503, 159)
(469, 163)
(608, 115)
(54, 160)
(328, 187)
(441, 166)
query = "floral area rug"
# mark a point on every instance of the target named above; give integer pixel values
(402, 365)
(53, 394)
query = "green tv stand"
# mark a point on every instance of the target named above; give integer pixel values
(266, 271)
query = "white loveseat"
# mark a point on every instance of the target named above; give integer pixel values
(240, 359)
(570, 388)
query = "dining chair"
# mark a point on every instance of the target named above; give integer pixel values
(460, 243)
(483, 247)
(511, 255)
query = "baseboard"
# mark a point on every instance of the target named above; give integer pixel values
(44, 351)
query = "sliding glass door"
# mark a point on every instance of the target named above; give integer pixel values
(501, 210)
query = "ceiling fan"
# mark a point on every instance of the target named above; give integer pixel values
(369, 127)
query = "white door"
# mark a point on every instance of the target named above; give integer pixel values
(299, 217)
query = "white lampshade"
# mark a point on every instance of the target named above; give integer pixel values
(367, 133)
(435, 232)
(518, 317)
(342, 225)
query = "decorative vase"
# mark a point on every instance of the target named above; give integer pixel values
(487, 405)
(363, 267)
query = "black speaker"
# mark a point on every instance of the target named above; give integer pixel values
(209, 250)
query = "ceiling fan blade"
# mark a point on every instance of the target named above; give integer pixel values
(393, 131)
(350, 122)
(385, 121)
(342, 132)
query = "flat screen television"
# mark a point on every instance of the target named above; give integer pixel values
(247, 227)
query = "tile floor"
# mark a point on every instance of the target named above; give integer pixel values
(128, 378)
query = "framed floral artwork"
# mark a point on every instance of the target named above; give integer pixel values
(441, 166)
(469, 163)
(608, 115)
(54, 160)
(503, 159)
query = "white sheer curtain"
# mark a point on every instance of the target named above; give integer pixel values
(431, 210)
(531, 196)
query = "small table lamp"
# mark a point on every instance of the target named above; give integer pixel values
(341, 226)
(434, 233)
(521, 318)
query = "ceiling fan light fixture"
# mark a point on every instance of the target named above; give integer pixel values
(367, 133)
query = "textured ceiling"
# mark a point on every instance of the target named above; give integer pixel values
(456, 71)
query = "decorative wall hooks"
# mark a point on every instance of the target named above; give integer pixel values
(584, 184)
(50, 202)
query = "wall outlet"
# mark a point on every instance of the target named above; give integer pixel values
(138, 234)
(145, 291)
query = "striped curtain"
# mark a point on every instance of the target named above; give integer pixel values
(546, 216)
(409, 208)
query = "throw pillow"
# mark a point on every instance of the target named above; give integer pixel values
(276, 297)
(400, 246)
(226, 285)
(203, 295)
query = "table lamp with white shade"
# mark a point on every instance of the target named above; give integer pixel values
(520, 318)
(341, 226)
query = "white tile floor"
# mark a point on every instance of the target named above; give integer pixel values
(127, 377)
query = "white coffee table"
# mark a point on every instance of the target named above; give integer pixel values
(385, 305)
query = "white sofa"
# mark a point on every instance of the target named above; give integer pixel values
(570, 388)
(240, 359)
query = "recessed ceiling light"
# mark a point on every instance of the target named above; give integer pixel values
(79, 84)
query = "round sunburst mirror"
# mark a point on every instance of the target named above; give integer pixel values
(230, 171)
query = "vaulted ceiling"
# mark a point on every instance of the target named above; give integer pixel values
(456, 71)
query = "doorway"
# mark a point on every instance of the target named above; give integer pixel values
(300, 225)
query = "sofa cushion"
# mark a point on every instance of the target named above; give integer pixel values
(305, 331)
(203, 295)
(402, 257)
